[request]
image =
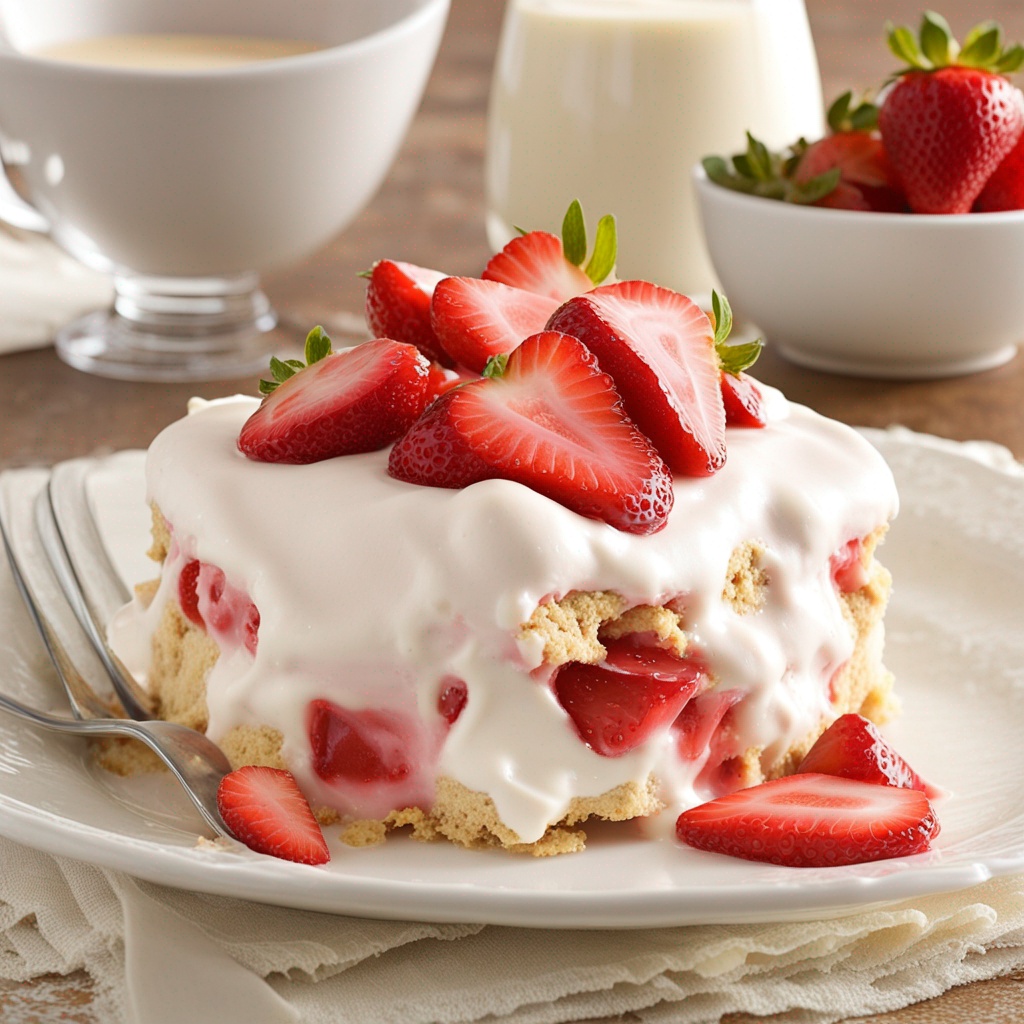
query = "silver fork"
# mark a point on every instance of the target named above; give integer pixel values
(196, 762)
(57, 513)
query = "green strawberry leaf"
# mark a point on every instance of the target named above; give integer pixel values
(839, 112)
(937, 40)
(817, 188)
(723, 317)
(982, 46)
(495, 366)
(281, 371)
(365, 273)
(759, 159)
(864, 118)
(1012, 60)
(606, 250)
(318, 345)
(732, 359)
(735, 359)
(574, 234)
(903, 43)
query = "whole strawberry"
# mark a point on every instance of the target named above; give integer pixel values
(952, 116)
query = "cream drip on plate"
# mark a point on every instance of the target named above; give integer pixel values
(372, 592)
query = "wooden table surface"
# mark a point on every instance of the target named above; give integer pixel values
(430, 211)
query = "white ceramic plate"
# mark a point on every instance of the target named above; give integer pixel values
(955, 642)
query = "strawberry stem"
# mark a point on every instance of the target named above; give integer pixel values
(318, 346)
(732, 359)
(495, 366)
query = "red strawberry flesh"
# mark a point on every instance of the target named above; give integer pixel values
(264, 808)
(353, 401)
(853, 748)
(635, 691)
(225, 611)
(744, 406)
(1005, 189)
(811, 821)
(357, 746)
(475, 320)
(536, 263)
(398, 306)
(553, 423)
(658, 346)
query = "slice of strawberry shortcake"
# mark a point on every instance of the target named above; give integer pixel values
(608, 575)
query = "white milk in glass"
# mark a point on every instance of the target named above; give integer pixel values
(614, 101)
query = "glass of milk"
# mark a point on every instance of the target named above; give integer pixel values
(187, 148)
(614, 101)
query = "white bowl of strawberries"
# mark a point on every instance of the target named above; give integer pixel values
(898, 247)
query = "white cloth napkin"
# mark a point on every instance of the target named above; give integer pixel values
(160, 955)
(42, 289)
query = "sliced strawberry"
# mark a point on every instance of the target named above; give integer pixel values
(553, 422)
(354, 401)
(744, 406)
(659, 348)
(696, 727)
(634, 692)
(398, 306)
(452, 699)
(188, 596)
(847, 568)
(535, 262)
(265, 809)
(368, 745)
(811, 821)
(852, 747)
(476, 319)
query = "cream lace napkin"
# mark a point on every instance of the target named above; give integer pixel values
(42, 289)
(160, 955)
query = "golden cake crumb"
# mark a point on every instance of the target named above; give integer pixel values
(746, 581)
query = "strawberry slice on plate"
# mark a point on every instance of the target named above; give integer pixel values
(617, 705)
(812, 821)
(340, 403)
(853, 748)
(265, 809)
(550, 420)
(398, 305)
(475, 320)
(659, 348)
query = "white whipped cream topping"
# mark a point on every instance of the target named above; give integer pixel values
(372, 591)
